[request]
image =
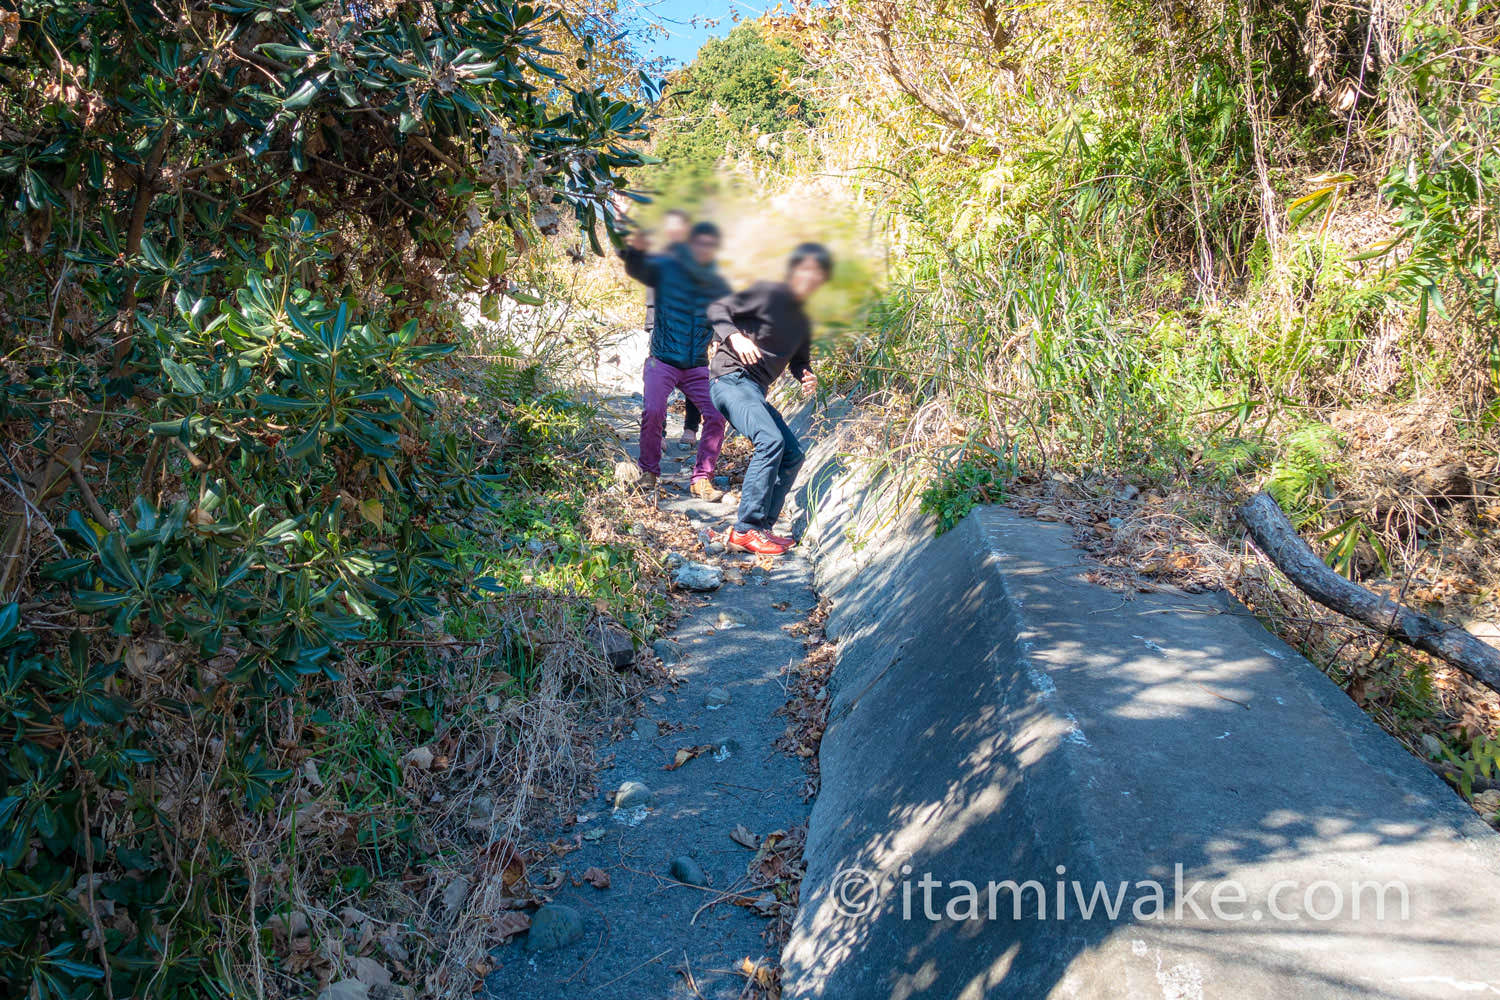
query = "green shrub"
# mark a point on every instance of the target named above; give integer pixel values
(1301, 476)
(968, 484)
(229, 236)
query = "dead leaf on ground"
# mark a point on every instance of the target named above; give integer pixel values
(597, 877)
(758, 972)
(742, 836)
(502, 855)
(686, 754)
(765, 905)
(511, 923)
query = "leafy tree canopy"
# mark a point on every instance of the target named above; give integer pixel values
(737, 90)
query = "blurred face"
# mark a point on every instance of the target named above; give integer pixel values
(674, 228)
(705, 248)
(806, 277)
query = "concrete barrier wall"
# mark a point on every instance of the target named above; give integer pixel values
(997, 718)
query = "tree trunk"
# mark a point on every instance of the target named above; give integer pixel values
(1276, 537)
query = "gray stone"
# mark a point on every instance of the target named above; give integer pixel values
(675, 560)
(715, 548)
(733, 618)
(717, 697)
(554, 926)
(346, 989)
(699, 576)
(632, 794)
(614, 643)
(1433, 746)
(685, 869)
(722, 482)
(669, 651)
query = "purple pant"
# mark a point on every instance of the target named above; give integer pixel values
(661, 379)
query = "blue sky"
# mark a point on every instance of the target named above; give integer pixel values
(678, 17)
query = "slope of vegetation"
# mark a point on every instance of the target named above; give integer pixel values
(293, 593)
(1148, 257)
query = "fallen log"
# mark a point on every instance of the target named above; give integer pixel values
(1276, 537)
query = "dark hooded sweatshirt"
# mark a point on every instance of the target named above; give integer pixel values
(768, 313)
(684, 288)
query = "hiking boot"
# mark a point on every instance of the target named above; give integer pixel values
(757, 542)
(689, 439)
(647, 482)
(704, 489)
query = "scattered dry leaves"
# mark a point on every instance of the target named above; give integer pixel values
(806, 708)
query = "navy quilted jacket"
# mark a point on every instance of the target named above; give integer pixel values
(683, 290)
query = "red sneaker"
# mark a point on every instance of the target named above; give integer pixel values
(758, 542)
(782, 539)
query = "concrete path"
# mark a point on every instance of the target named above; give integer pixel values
(648, 936)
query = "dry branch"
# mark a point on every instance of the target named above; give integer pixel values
(1276, 537)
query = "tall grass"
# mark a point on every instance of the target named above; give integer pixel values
(1167, 251)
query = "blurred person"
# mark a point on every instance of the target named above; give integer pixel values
(675, 225)
(759, 333)
(684, 280)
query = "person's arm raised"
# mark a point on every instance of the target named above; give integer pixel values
(638, 263)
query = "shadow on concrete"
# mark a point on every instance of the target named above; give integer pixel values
(996, 717)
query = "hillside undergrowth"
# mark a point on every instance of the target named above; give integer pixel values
(1146, 259)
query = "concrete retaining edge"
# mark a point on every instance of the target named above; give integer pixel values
(994, 716)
